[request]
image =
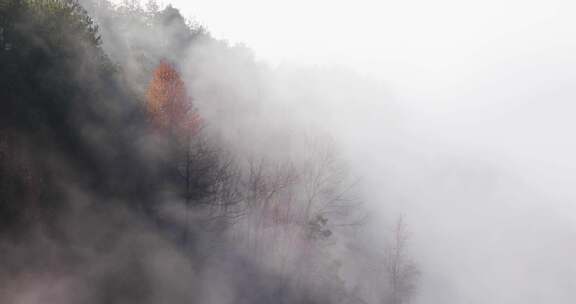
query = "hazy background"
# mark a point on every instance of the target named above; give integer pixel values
(478, 149)
(491, 75)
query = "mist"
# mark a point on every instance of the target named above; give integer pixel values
(469, 135)
(476, 148)
(417, 153)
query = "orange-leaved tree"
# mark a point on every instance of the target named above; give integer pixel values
(168, 103)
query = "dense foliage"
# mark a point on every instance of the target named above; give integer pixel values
(57, 87)
(95, 152)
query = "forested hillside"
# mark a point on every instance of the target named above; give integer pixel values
(133, 170)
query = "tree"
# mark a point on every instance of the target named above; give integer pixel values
(203, 175)
(54, 74)
(168, 103)
(402, 272)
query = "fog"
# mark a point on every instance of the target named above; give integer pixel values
(476, 149)
(329, 121)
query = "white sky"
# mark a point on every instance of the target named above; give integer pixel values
(392, 38)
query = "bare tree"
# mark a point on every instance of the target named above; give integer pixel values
(328, 188)
(210, 183)
(401, 271)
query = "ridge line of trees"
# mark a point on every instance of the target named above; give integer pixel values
(124, 130)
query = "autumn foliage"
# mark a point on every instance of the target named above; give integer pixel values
(168, 103)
